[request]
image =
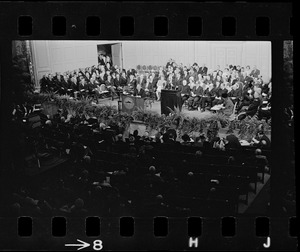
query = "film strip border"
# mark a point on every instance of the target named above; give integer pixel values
(156, 233)
(163, 21)
(179, 20)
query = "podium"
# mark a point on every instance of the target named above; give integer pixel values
(169, 99)
(131, 103)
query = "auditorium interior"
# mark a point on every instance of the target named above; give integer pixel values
(140, 128)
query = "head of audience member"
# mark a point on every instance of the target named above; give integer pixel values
(152, 169)
(199, 153)
(225, 96)
(231, 160)
(260, 134)
(258, 152)
(185, 138)
(184, 82)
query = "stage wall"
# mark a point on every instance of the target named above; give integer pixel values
(59, 56)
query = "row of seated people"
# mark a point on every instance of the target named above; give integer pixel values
(195, 85)
(85, 190)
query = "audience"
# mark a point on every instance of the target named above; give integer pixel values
(201, 88)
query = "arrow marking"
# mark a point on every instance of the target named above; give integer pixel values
(82, 245)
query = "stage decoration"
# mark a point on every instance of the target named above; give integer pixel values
(70, 108)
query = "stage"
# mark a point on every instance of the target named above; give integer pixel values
(155, 108)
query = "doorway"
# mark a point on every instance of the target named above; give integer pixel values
(114, 51)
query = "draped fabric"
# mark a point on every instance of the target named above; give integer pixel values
(23, 72)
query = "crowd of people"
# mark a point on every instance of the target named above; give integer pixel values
(106, 171)
(198, 87)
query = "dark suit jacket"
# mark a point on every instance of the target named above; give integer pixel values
(149, 87)
(255, 73)
(141, 93)
(101, 61)
(253, 107)
(203, 70)
(117, 82)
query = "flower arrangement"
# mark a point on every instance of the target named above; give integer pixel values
(71, 108)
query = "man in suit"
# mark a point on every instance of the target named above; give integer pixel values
(117, 81)
(203, 70)
(131, 84)
(139, 91)
(254, 105)
(185, 91)
(101, 59)
(123, 79)
(255, 72)
(177, 81)
(195, 97)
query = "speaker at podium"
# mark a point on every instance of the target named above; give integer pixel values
(169, 100)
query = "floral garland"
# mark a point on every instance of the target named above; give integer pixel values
(246, 128)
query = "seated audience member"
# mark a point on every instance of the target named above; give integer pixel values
(220, 90)
(185, 75)
(236, 93)
(110, 85)
(254, 105)
(161, 83)
(117, 81)
(247, 96)
(208, 97)
(255, 72)
(185, 91)
(131, 84)
(123, 79)
(148, 86)
(139, 91)
(261, 159)
(186, 140)
(203, 70)
(261, 141)
(228, 105)
(232, 142)
(196, 94)
(264, 110)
